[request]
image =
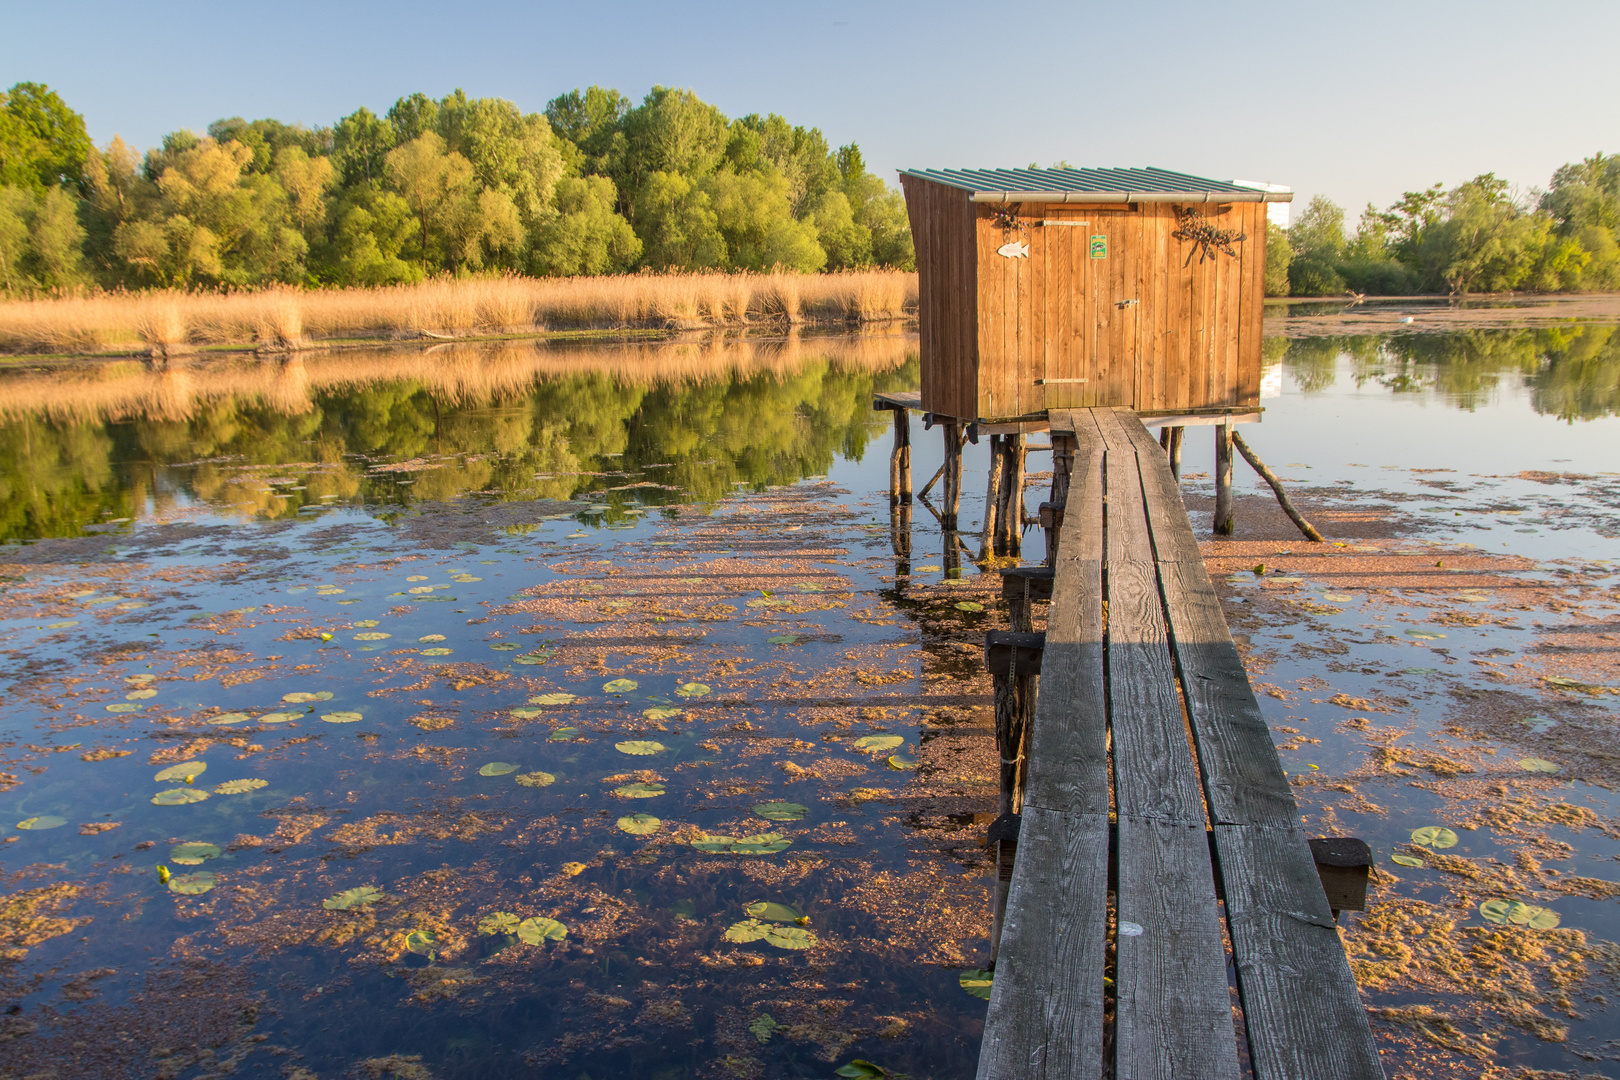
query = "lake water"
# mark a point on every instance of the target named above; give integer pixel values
(520, 673)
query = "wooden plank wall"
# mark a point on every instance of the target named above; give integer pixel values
(942, 227)
(991, 326)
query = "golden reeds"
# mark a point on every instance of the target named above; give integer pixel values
(281, 318)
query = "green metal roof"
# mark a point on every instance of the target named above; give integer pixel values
(1095, 185)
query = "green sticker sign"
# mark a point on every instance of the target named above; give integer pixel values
(1099, 247)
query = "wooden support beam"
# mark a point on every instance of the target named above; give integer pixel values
(1223, 480)
(900, 459)
(953, 473)
(1014, 660)
(1344, 864)
(1002, 841)
(1270, 477)
(1009, 513)
(991, 502)
(1175, 451)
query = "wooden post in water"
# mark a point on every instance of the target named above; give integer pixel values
(1052, 513)
(953, 474)
(1223, 479)
(1175, 452)
(992, 498)
(900, 459)
(1010, 516)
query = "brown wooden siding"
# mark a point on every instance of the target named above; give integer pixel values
(992, 326)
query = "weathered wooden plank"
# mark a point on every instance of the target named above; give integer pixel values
(1301, 1008)
(1243, 777)
(1173, 1013)
(1154, 775)
(1173, 540)
(1045, 1020)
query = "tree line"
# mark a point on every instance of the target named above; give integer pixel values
(1475, 237)
(595, 184)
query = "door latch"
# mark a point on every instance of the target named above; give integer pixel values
(1126, 303)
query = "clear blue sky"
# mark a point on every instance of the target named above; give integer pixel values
(1356, 101)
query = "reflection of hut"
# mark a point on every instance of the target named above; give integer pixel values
(1066, 288)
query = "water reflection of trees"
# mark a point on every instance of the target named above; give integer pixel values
(1572, 372)
(504, 425)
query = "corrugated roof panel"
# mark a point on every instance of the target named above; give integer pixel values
(1077, 180)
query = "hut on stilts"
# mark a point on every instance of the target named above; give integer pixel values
(1050, 289)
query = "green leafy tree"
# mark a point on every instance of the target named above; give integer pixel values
(360, 141)
(678, 226)
(587, 236)
(1484, 243)
(1279, 253)
(1318, 241)
(755, 220)
(372, 227)
(43, 143)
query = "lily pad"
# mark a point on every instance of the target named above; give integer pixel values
(43, 821)
(901, 762)
(140, 695)
(761, 844)
(620, 686)
(372, 635)
(140, 679)
(639, 824)
(498, 768)
(194, 853)
(279, 717)
(351, 898)
(426, 638)
(179, 796)
(532, 659)
(662, 712)
(1536, 764)
(879, 743)
(299, 697)
(1434, 836)
(639, 791)
(186, 771)
(505, 646)
(1338, 597)
(639, 747)
(417, 577)
(861, 1070)
(692, 689)
(969, 605)
(790, 937)
(781, 811)
(240, 787)
(553, 699)
(1518, 913)
(534, 931)
(498, 922)
(746, 931)
(770, 911)
(524, 712)
(535, 779)
(365, 623)
(976, 982)
(422, 942)
(1424, 635)
(193, 884)
(1406, 860)
(123, 706)
(562, 734)
(341, 717)
(784, 639)
(229, 718)
(436, 652)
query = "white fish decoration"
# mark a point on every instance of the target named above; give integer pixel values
(1013, 251)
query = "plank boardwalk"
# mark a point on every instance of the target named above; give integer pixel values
(1146, 727)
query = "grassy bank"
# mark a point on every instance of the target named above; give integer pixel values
(172, 321)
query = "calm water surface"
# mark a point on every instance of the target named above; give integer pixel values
(657, 581)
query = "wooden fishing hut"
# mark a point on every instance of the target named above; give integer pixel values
(1046, 289)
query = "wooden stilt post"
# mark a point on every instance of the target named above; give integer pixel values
(1052, 513)
(1010, 523)
(1223, 479)
(953, 473)
(900, 459)
(992, 498)
(1015, 665)
(1175, 452)
(900, 536)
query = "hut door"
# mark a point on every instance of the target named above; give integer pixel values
(1112, 306)
(1091, 316)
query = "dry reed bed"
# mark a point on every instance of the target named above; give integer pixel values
(168, 321)
(456, 374)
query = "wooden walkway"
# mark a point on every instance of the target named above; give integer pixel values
(1199, 808)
